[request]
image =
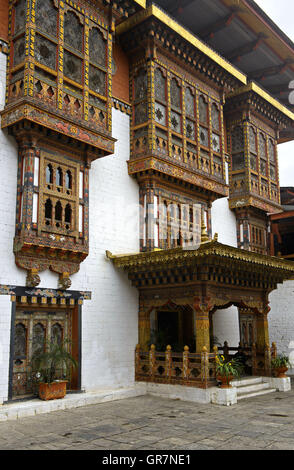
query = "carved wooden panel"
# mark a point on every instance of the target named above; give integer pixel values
(19, 18)
(45, 52)
(46, 19)
(159, 85)
(97, 47)
(73, 31)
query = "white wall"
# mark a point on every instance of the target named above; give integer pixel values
(281, 319)
(226, 321)
(224, 222)
(110, 319)
(9, 273)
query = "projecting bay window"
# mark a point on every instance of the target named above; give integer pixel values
(58, 200)
(68, 64)
(185, 123)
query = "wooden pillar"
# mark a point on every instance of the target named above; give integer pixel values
(144, 329)
(202, 324)
(262, 334)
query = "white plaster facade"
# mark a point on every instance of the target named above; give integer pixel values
(109, 320)
(281, 319)
(226, 321)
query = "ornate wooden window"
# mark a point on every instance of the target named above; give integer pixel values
(238, 148)
(160, 98)
(263, 155)
(253, 148)
(272, 159)
(47, 16)
(258, 238)
(59, 200)
(140, 97)
(185, 124)
(69, 64)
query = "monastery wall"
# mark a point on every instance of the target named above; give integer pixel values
(110, 319)
(281, 319)
(226, 321)
(9, 273)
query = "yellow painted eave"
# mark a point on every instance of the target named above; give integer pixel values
(252, 86)
(153, 10)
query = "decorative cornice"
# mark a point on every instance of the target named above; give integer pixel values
(19, 291)
(26, 111)
(253, 87)
(177, 171)
(122, 106)
(208, 253)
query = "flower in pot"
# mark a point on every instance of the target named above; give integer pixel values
(227, 371)
(280, 364)
(51, 368)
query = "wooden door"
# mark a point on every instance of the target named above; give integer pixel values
(247, 330)
(32, 330)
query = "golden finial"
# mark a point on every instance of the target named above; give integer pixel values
(204, 236)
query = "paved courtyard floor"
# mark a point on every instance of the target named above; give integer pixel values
(152, 423)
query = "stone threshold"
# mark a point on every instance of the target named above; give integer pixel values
(35, 406)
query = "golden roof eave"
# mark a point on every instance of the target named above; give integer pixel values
(252, 86)
(207, 253)
(159, 14)
(141, 3)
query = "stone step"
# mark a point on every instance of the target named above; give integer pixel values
(256, 394)
(257, 387)
(246, 381)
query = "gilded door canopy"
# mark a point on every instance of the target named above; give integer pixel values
(213, 263)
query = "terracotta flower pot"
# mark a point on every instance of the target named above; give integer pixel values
(225, 380)
(280, 371)
(52, 391)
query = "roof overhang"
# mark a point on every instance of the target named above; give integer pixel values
(212, 262)
(157, 13)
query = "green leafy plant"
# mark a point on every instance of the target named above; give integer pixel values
(225, 369)
(280, 361)
(52, 362)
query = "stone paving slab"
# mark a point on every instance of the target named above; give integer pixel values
(155, 423)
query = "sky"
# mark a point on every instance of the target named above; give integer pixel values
(282, 13)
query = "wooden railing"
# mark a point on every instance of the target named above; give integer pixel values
(195, 369)
(258, 361)
(186, 368)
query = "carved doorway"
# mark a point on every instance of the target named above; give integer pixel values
(32, 330)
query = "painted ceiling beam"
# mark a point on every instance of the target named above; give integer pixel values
(281, 88)
(209, 32)
(261, 74)
(179, 5)
(251, 46)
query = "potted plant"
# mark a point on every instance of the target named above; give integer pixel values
(227, 371)
(51, 367)
(280, 364)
